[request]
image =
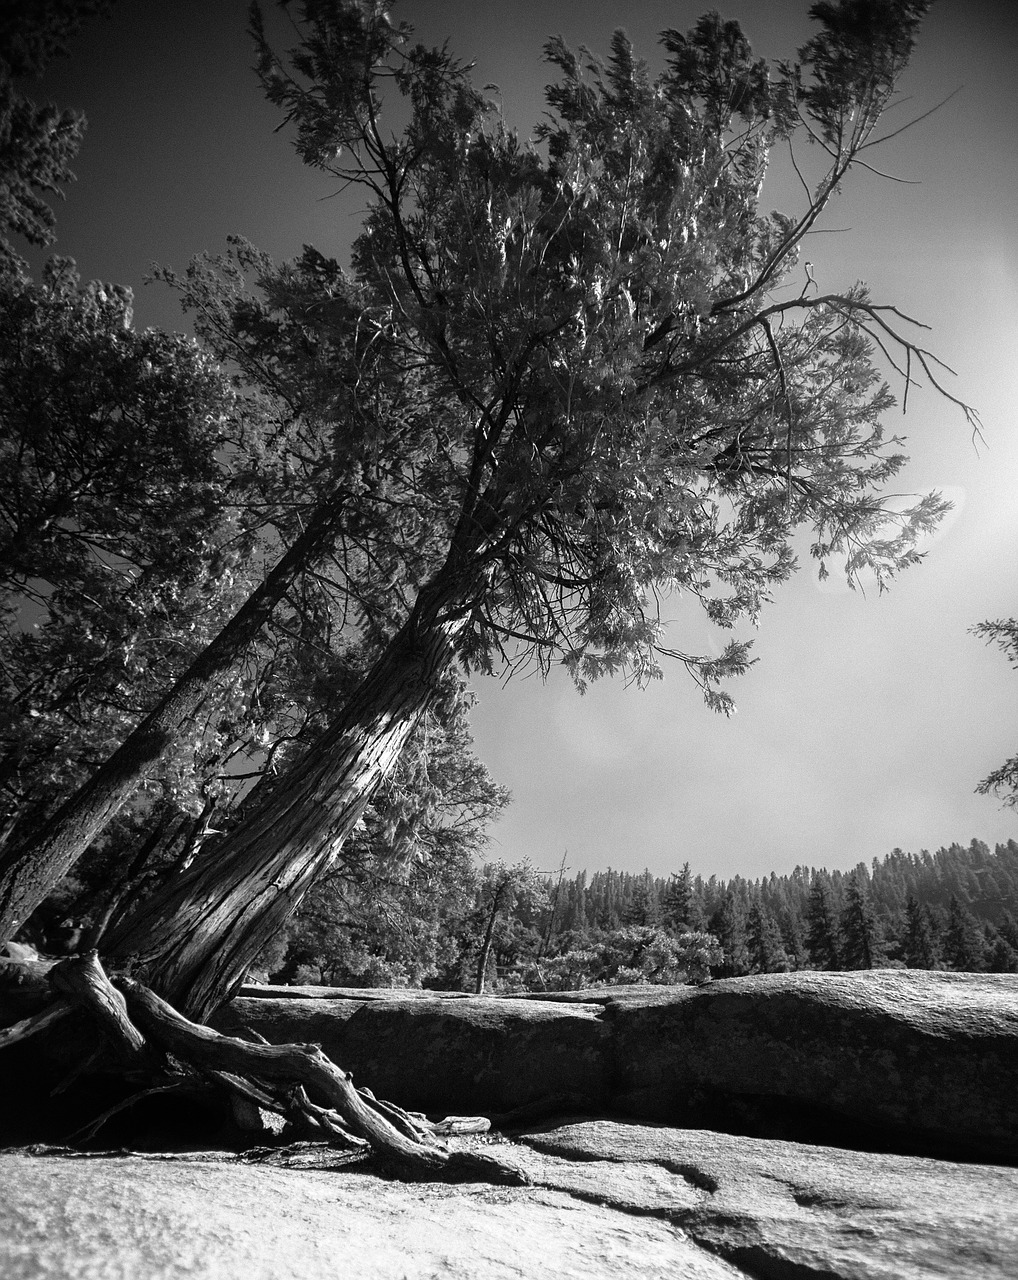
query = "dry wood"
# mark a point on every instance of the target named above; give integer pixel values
(461, 1125)
(308, 1066)
(296, 1079)
(247, 1089)
(249, 1098)
(60, 1008)
(290, 1063)
(82, 980)
(327, 1119)
(411, 1124)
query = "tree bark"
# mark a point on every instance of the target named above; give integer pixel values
(81, 980)
(147, 1035)
(29, 871)
(303, 1063)
(195, 937)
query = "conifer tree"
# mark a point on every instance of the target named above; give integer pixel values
(678, 898)
(728, 925)
(793, 940)
(1002, 957)
(766, 951)
(37, 144)
(919, 945)
(1008, 929)
(578, 919)
(964, 944)
(696, 916)
(609, 380)
(860, 938)
(822, 934)
(643, 907)
(620, 388)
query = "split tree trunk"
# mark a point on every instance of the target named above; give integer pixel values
(194, 938)
(29, 871)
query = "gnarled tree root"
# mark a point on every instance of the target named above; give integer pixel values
(298, 1080)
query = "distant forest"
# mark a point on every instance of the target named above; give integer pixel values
(503, 928)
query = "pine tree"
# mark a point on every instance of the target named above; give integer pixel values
(657, 405)
(919, 946)
(1002, 958)
(793, 940)
(647, 388)
(822, 934)
(578, 921)
(37, 144)
(643, 908)
(678, 897)
(964, 944)
(696, 916)
(728, 925)
(766, 950)
(1008, 930)
(860, 939)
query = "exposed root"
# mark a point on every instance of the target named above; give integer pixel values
(143, 1032)
(81, 979)
(327, 1120)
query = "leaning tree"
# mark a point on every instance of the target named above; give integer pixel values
(615, 388)
(113, 513)
(140, 498)
(563, 378)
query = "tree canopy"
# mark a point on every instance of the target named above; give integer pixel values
(113, 518)
(563, 379)
(37, 144)
(142, 499)
(628, 394)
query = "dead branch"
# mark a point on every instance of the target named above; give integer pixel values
(294, 1079)
(60, 1008)
(455, 1125)
(326, 1119)
(411, 1124)
(308, 1066)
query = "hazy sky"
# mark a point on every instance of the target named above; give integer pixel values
(868, 720)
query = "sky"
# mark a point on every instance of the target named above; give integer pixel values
(868, 719)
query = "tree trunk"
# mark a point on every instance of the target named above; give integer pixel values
(29, 870)
(196, 936)
(482, 959)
